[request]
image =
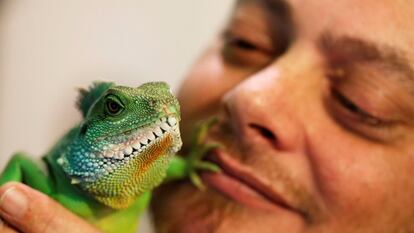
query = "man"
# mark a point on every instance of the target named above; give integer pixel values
(315, 101)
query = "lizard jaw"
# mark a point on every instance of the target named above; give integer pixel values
(143, 139)
(130, 173)
(117, 152)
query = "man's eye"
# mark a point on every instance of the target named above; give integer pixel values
(361, 114)
(357, 120)
(245, 52)
(242, 44)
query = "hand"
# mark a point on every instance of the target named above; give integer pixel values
(24, 209)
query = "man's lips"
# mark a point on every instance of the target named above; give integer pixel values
(236, 190)
(243, 185)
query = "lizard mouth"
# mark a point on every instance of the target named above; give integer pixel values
(142, 139)
(123, 151)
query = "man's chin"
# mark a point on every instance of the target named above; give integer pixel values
(181, 208)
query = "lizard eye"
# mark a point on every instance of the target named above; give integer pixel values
(113, 107)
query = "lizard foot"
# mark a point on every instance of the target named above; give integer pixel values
(198, 150)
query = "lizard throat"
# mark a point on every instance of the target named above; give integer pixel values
(121, 188)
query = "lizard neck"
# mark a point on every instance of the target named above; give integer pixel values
(71, 196)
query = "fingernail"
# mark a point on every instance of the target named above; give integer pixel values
(13, 202)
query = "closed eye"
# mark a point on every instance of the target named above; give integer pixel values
(241, 51)
(360, 113)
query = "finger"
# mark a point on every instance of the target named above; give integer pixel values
(31, 211)
(207, 166)
(195, 179)
(5, 228)
(200, 132)
(201, 152)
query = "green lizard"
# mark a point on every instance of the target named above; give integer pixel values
(105, 168)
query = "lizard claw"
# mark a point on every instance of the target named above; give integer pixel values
(198, 151)
(196, 164)
(205, 166)
(196, 180)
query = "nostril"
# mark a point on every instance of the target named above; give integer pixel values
(266, 133)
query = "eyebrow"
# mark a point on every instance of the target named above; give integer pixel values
(350, 50)
(279, 19)
(280, 22)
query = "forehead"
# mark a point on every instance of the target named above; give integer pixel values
(384, 22)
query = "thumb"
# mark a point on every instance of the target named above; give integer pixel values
(31, 211)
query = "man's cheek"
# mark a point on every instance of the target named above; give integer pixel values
(358, 185)
(349, 170)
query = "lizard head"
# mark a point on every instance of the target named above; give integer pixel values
(125, 142)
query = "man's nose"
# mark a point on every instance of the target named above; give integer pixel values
(272, 106)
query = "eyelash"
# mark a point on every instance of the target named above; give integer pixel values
(362, 115)
(231, 39)
(357, 120)
(241, 44)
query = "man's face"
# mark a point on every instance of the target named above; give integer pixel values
(315, 101)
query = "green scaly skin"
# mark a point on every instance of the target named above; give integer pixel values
(105, 168)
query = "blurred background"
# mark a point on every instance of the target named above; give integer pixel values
(48, 48)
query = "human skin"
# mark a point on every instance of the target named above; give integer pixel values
(318, 122)
(315, 121)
